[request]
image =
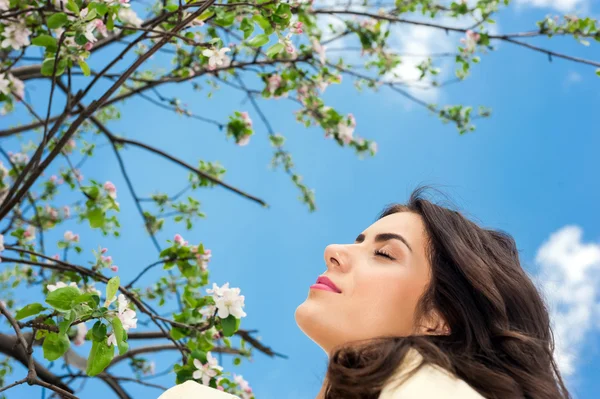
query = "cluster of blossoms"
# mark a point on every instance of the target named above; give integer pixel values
(206, 371)
(273, 83)
(245, 139)
(29, 233)
(346, 129)
(202, 259)
(18, 158)
(228, 301)
(106, 261)
(244, 386)
(16, 35)
(69, 147)
(70, 237)
(470, 41)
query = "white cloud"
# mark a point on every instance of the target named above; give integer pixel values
(573, 78)
(569, 277)
(559, 5)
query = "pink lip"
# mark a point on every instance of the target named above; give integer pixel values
(324, 283)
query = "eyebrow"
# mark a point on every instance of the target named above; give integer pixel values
(385, 237)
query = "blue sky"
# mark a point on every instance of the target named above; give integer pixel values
(530, 170)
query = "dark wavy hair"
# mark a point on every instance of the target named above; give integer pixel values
(500, 339)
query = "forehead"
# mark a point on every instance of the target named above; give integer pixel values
(408, 224)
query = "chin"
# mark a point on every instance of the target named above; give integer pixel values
(312, 321)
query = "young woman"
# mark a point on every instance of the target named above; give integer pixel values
(427, 304)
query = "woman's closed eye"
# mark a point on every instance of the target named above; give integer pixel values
(383, 254)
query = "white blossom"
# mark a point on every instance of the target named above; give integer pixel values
(4, 84)
(9, 84)
(126, 315)
(1, 243)
(319, 49)
(129, 17)
(216, 57)
(112, 340)
(4, 5)
(59, 284)
(230, 303)
(80, 337)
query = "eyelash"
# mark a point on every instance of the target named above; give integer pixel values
(384, 254)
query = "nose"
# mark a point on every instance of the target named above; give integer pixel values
(336, 258)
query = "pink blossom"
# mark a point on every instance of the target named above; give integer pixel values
(114, 268)
(104, 250)
(178, 239)
(53, 178)
(88, 46)
(296, 28)
(246, 118)
(101, 27)
(273, 82)
(67, 211)
(110, 189)
(56, 257)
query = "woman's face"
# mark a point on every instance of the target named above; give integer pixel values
(378, 295)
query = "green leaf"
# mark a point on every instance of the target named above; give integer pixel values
(48, 66)
(72, 6)
(55, 346)
(29, 310)
(96, 218)
(247, 27)
(225, 19)
(262, 22)
(99, 331)
(62, 298)
(178, 333)
(91, 191)
(101, 8)
(64, 325)
(275, 49)
(112, 287)
(91, 15)
(84, 67)
(598, 71)
(46, 41)
(230, 325)
(258, 40)
(110, 22)
(119, 335)
(91, 299)
(284, 11)
(200, 355)
(206, 15)
(57, 20)
(100, 357)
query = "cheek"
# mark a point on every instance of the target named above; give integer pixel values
(387, 300)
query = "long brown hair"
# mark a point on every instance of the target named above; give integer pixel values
(500, 339)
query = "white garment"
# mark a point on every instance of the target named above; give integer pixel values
(429, 382)
(193, 390)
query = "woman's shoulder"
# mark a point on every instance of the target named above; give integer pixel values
(429, 381)
(193, 390)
